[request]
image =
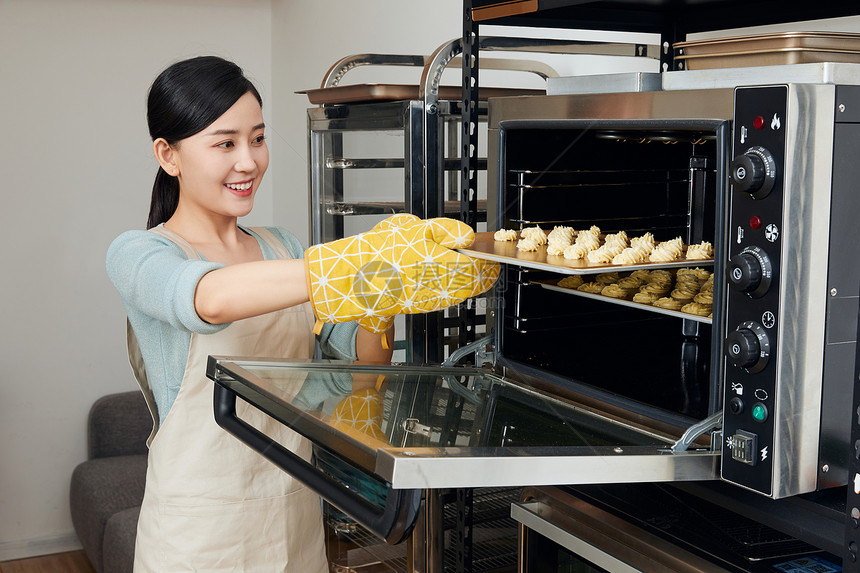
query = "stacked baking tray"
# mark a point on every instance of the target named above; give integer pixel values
(780, 48)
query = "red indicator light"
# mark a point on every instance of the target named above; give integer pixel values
(758, 122)
(755, 222)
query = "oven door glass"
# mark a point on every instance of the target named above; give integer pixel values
(385, 433)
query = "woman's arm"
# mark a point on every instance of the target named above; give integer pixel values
(250, 289)
(368, 345)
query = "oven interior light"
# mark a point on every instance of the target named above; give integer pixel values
(758, 122)
(755, 222)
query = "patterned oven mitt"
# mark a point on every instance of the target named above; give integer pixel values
(362, 410)
(404, 265)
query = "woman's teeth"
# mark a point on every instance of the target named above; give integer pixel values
(240, 186)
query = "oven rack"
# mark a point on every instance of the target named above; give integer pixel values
(602, 185)
(522, 174)
(346, 209)
(331, 162)
(362, 551)
(609, 179)
(647, 307)
(568, 197)
(489, 540)
(665, 224)
(428, 117)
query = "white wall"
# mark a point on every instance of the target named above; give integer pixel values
(77, 171)
(314, 34)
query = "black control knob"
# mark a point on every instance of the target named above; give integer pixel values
(753, 172)
(742, 348)
(744, 272)
(750, 271)
(748, 173)
(748, 347)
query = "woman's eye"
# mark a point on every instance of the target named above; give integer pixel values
(226, 144)
(259, 139)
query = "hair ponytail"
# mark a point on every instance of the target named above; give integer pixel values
(185, 99)
(165, 197)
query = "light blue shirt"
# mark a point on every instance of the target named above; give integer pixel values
(157, 282)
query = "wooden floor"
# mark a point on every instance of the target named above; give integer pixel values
(72, 562)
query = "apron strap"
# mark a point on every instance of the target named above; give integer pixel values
(282, 253)
(276, 245)
(190, 251)
(135, 358)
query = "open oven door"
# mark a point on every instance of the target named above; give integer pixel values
(413, 428)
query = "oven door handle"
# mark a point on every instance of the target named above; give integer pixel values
(393, 522)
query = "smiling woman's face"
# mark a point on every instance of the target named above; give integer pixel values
(220, 168)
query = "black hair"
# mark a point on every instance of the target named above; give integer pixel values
(184, 99)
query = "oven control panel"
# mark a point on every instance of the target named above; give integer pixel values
(756, 200)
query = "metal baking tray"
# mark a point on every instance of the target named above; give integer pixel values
(781, 48)
(604, 83)
(486, 247)
(357, 93)
(553, 286)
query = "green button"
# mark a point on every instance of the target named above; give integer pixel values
(759, 412)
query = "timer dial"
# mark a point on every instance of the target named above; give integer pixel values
(748, 347)
(750, 272)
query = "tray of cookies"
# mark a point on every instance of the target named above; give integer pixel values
(568, 251)
(685, 292)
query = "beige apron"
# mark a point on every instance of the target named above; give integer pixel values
(211, 502)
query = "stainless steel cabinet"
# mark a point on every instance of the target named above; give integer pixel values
(376, 150)
(380, 149)
(371, 156)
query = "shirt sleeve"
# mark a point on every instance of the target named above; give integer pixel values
(320, 387)
(153, 276)
(290, 241)
(337, 341)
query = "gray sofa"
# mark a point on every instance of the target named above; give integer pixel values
(107, 490)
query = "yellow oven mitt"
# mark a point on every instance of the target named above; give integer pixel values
(362, 410)
(404, 265)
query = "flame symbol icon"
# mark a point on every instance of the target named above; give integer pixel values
(775, 123)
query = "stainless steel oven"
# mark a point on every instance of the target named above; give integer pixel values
(576, 388)
(765, 173)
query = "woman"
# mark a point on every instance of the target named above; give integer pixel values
(198, 284)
